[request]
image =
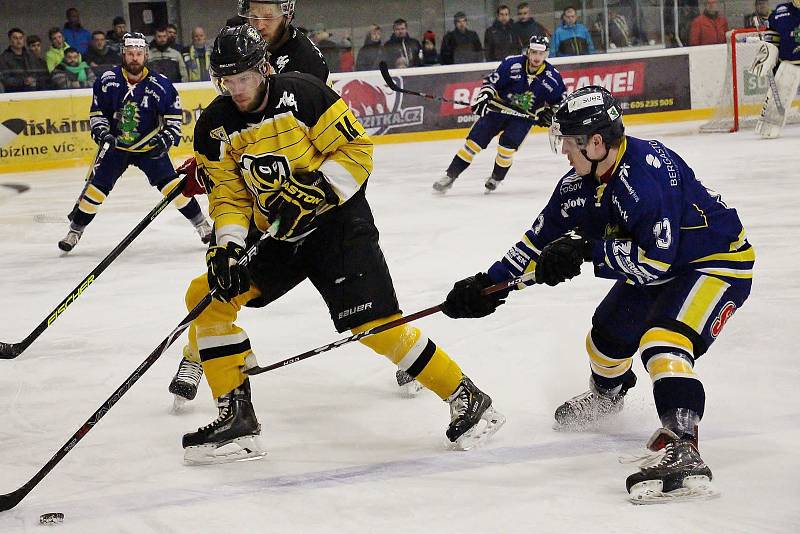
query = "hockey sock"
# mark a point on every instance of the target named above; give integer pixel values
(88, 206)
(223, 346)
(463, 158)
(668, 357)
(502, 162)
(414, 353)
(608, 360)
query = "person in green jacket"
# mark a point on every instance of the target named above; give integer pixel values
(55, 54)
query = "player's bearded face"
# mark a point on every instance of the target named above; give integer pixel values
(246, 89)
(133, 60)
(268, 19)
(536, 58)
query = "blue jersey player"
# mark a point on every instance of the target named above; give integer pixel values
(781, 45)
(682, 265)
(135, 118)
(526, 81)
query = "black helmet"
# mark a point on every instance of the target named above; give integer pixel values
(245, 11)
(588, 111)
(237, 49)
(536, 42)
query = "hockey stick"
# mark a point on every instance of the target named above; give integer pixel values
(509, 284)
(101, 151)
(10, 500)
(500, 107)
(9, 351)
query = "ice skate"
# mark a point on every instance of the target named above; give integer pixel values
(491, 184)
(472, 418)
(674, 472)
(444, 183)
(70, 240)
(592, 407)
(409, 387)
(184, 383)
(232, 437)
(205, 231)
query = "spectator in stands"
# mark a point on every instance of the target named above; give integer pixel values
(402, 50)
(330, 50)
(372, 52)
(196, 57)
(19, 68)
(346, 61)
(172, 38)
(758, 19)
(526, 26)
(709, 27)
(460, 45)
(55, 54)
(620, 33)
(571, 38)
(429, 55)
(72, 72)
(100, 56)
(76, 35)
(166, 60)
(116, 33)
(499, 39)
(34, 44)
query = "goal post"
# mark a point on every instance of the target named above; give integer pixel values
(743, 93)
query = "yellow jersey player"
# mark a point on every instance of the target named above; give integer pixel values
(284, 152)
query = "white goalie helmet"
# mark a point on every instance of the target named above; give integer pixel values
(255, 9)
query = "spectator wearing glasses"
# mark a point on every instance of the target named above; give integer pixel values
(571, 38)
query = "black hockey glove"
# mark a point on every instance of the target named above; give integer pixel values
(482, 101)
(561, 259)
(544, 117)
(298, 202)
(102, 136)
(159, 145)
(225, 274)
(466, 299)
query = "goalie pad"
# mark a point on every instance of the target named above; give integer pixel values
(773, 114)
(765, 60)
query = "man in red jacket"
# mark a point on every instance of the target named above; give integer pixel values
(709, 27)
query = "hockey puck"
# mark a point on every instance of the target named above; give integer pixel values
(51, 519)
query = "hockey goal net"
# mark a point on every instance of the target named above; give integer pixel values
(742, 96)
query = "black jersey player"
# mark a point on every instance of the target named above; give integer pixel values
(284, 153)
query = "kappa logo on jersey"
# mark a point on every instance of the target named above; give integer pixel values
(377, 108)
(287, 100)
(571, 203)
(722, 317)
(281, 63)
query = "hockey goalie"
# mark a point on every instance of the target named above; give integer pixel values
(781, 47)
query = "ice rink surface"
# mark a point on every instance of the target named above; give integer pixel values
(346, 452)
